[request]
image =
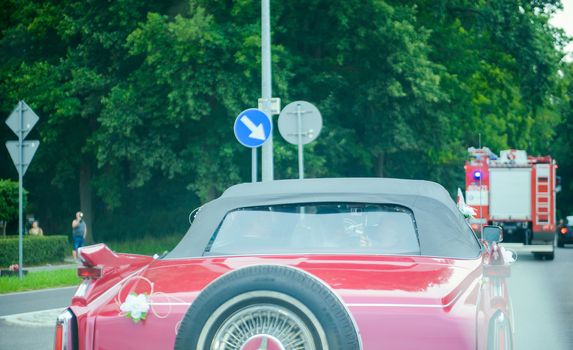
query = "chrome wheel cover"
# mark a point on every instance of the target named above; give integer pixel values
(269, 326)
(274, 324)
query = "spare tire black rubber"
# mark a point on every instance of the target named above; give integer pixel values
(236, 308)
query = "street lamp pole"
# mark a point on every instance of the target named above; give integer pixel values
(267, 151)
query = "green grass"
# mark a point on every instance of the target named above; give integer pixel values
(146, 246)
(39, 280)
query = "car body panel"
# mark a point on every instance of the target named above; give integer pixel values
(444, 298)
(389, 297)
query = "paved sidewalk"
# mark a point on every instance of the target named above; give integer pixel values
(67, 264)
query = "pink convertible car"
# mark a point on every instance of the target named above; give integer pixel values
(303, 264)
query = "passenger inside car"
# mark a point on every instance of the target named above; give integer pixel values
(393, 233)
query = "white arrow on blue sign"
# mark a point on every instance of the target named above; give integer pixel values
(252, 128)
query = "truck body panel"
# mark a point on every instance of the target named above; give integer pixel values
(510, 194)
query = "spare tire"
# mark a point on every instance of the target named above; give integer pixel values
(270, 307)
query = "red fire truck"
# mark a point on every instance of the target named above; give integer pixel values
(516, 192)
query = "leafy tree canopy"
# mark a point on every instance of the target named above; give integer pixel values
(137, 99)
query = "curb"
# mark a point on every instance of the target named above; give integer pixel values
(42, 318)
(37, 290)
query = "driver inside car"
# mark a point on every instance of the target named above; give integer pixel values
(344, 232)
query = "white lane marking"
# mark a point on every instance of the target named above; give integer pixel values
(43, 318)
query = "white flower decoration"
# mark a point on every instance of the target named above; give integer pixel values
(508, 256)
(466, 210)
(135, 307)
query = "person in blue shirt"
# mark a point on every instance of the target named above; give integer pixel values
(79, 231)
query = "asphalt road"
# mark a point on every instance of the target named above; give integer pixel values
(17, 303)
(22, 326)
(541, 294)
(542, 297)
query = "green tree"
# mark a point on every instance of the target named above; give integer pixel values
(137, 99)
(64, 57)
(9, 202)
(563, 143)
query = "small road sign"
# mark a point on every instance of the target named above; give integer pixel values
(252, 128)
(309, 118)
(300, 123)
(29, 119)
(275, 104)
(29, 149)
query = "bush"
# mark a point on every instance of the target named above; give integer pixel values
(37, 250)
(147, 245)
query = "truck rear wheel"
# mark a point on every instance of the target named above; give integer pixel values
(544, 256)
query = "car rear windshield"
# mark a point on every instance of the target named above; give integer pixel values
(351, 228)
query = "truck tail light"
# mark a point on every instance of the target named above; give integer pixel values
(563, 230)
(65, 324)
(90, 272)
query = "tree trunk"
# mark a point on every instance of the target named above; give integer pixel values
(380, 164)
(86, 198)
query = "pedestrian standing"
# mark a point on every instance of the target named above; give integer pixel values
(79, 231)
(36, 230)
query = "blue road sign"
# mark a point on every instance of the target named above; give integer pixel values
(252, 128)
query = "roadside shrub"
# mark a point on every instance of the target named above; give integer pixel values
(37, 250)
(147, 245)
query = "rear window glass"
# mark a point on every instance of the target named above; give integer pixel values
(317, 228)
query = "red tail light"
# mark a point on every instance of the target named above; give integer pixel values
(90, 272)
(64, 339)
(564, 230)
(58, 343)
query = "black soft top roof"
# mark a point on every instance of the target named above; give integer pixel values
(442, 230)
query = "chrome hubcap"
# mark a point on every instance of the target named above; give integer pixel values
(263, 327)
(263, 342)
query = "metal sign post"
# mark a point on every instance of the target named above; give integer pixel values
(20, 190)
(299, 132)
(266, 87)
(253, 128)
(21, 121)
(302, 129)
(254, 163)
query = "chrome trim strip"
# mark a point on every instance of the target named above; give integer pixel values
(397, 305)
(170, 304)
(64, 320)
(301, 255)
(83, 288)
